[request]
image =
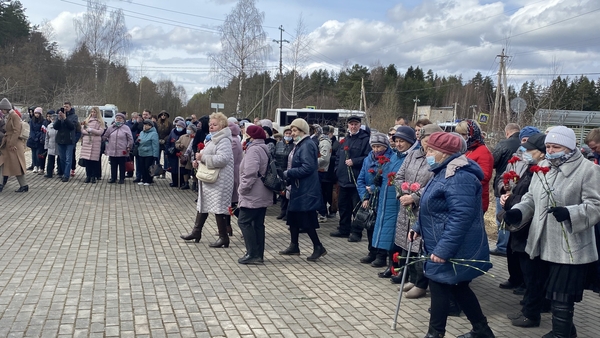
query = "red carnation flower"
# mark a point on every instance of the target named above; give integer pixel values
(200, 146)
(346, 148)
(371, 171)
(342, 141)
(514, 160)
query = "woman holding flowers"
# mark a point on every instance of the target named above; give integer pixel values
(413, 173)
(373, 188)
(450, 221)
(563, 205)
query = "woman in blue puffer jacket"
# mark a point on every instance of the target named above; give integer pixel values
(451, 225)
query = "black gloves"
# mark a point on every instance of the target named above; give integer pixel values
(513, 216)
(560, 213)
(378, 181)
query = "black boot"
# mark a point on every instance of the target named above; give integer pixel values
(292, 250)
(562, 320)
(1, 187)
(223, 240)
(196, 233)
(380, 260)
(24, 188)
(87, 179)
(433, 333)
(318, 252)
(369, 258)
(481, 329)
(387, 273)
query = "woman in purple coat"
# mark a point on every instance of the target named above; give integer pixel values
(119, 144)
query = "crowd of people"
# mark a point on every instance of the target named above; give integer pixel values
(424, 192)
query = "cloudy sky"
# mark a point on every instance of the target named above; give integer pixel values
(171, 39)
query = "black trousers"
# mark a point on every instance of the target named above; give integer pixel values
(252, 225)
(140, 167)
(284, 204)
(74, 161)
(515, 273)
(50, 165)
(143, 168)
(535, 273)
(92, 168)
(440, 303)
(117, 163)
(348, 199)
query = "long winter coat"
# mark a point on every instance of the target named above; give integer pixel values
(303, 178)
(119, 139)
(163, 128)
(484, 158)
(148, 143)
(12, 160)
(324, 153)
(91, 140)
(182, 143)
(216, 197)
(50, 143)
(238, 155)
(251, 191)
(387, 206)
(358, 149)
(2, 129)
(575, 186)
(414, 170)
(451, 222)
(36, 135)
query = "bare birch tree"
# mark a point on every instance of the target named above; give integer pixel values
(298, 54)
(244, 46)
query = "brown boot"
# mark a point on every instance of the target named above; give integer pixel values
(196, 233)
(223, 240)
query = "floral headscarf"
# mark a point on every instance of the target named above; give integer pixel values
(474, 132)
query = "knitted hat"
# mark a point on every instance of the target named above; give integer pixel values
(266, 123)
(192, 127)
(232, 120)
(149, 121)
(38, 110)
(463, 143)
(445, 143)
(379, 139)
(300, 124)
(121, 115)
(429, 129)
(528, 131)
(563, 136)
(536, 141)
(256, 132)
(5, 104)
(406, 133)
(181, 124)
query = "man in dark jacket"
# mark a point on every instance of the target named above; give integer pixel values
(353, 150)
(282, 151)
(136, 127)
(66, 125)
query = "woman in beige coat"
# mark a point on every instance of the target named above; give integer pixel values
(12, 149)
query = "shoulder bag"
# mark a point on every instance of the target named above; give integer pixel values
(206, 175)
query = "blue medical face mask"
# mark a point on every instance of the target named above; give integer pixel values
(522, 149)
(189, 132)
(527, 157)
(287, 138)
(179, 129)
(555, 155)
(430, 160)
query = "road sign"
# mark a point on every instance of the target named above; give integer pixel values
(483, 118)
(518, 105)
(217, 106)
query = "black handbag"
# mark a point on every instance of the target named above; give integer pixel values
(271, 179)
(364, 218)
(82, 162)
(156, 170)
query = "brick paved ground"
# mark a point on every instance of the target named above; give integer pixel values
(102, 260)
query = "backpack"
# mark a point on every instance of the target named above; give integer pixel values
(271, 179)
(24, 131)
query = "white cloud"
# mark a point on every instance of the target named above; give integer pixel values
(64, 30)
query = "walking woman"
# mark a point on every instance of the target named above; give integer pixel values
(36, 139)
(561, 233)
(215, 197)
(254, 198)
(451, 224)
(119, 144)
(91, 144)
(12, 148)
(304, 191)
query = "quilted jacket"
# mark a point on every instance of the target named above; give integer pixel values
(91, 142)
(484, 158)
(305, 190)
(451, 222)
(215, 197)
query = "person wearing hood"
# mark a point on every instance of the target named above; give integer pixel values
(12, 148)
(163, 128)
(254, 197)
(376, 193)
(91, 143)
(173, 154)
(66, 126)
(283, 149)
(118, 147)
(35, 142)
(148, 150)
(182, 144)
(561, 233)
(50, 144)
(450, 222)
(324, 145)
(238, 155)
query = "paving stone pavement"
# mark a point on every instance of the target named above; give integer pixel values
(106, 260)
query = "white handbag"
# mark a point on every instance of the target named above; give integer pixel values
(206, 175)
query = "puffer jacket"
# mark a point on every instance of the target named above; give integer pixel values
(91, 142)
(36, 135)
(305, 190)
(503, 152)
(358, 148)
(251, 191)
(119, 139)
(451, 222)
(414, 170)
(148, 143)
(574, 187)
(324, 153)
(283, 149)
(387, 205)
(484, 158)
(50, 143)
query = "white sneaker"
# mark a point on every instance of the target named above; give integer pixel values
(140, 183)
(35, 170)
(146, 184)
(322, 219)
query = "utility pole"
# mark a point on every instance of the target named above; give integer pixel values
(280, 42)
(415, 117)
(501, 86)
